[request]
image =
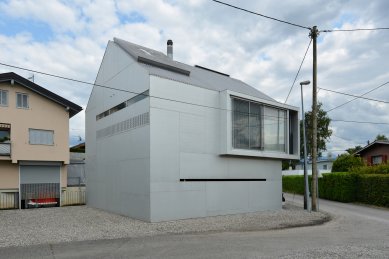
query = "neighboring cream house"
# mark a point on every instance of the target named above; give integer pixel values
(178, 141)
(34, 149)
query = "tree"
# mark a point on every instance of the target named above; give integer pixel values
(345, 162)
(353, 150)
(289, 163)
(381, 137)
(323, 131)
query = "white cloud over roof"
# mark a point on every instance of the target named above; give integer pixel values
(69, 39)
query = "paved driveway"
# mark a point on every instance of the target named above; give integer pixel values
(355, 232)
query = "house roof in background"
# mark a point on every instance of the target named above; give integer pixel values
(159, 64)
(73, 108)
(371, 145)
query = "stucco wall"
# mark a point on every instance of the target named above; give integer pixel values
(41, 114)
(9, 175)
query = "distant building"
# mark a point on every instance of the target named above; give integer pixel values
(76, 169)
(179, 141)
(375, 153)
(324, 165)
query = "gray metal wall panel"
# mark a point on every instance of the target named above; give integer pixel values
(39, 174)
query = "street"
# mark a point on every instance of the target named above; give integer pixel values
(355, 231)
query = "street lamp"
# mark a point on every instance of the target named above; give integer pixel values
(306, 188)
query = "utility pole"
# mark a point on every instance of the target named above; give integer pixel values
(314, 33)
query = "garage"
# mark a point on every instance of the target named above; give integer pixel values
(39, 184)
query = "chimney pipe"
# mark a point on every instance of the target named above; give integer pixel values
(170, 49)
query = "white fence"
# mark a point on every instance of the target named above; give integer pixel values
(9, 200)
(73, 196)
(301, 172)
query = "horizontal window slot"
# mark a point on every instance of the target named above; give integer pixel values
(123, 105)
(224, 180)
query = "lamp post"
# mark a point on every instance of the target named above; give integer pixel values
(306, 187)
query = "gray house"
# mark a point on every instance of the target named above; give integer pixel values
(166, 140)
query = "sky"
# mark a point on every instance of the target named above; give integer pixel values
(68, 38)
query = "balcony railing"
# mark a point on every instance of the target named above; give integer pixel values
(5, 149)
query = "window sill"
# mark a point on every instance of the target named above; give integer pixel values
(263, 154)
(49, 145)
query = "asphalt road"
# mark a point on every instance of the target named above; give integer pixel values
(355, 232)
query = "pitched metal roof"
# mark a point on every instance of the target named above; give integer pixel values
(158, 64)
(8, 77)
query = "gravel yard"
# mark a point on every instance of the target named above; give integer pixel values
(55, 225)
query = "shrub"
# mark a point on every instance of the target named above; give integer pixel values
(293, 184)
(377, 169)
(345, 187)
(338, 187)
(374, 189)
(346, 162)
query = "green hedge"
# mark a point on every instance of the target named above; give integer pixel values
(338, 186)
(377, 169)
(373, 189)
(345, 187)
(293, 184)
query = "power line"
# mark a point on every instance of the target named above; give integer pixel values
(360, 96)
(349, 140)
(348, 30)
(356, 96)
(262, 15)
(362, 122)
(126, 91)
(295, 78)
(168, 99)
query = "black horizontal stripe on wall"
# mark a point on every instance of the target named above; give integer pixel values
(224, 180)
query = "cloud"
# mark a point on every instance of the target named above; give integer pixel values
(261, 52)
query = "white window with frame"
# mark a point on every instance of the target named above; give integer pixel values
(22, 100)
(258, 127)
(3, 97)
(41, 137)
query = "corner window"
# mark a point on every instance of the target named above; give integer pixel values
(41, 137)
(246, 123)
(3, 98)
(274, 129)
(258, 127)
(22, 100)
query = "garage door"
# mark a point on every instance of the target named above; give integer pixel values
(39, 185)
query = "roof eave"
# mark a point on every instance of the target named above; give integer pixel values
(72, 107)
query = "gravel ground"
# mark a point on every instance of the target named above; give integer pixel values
(341, 252)
(78, 223)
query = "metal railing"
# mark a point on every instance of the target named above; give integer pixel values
(5, 149)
